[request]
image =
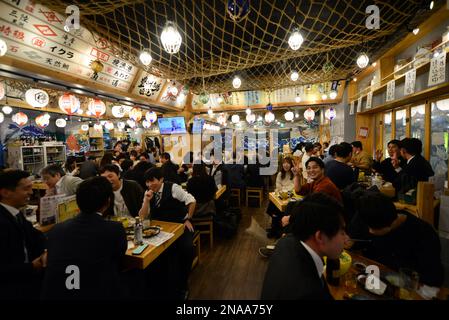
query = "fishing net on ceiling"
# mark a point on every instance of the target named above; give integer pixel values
(216, 47)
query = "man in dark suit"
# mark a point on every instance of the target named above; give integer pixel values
(385, 167)
(84, 253)
(416, 168)
(128, 194)
(22, 247)
(295, 271)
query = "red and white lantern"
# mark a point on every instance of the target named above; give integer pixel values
(96, 107)
(20, 118)
(309, 114)
(42, 121)
(69, 103)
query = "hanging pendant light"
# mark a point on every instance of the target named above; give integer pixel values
(289, 116)
(309, 114)
(84, 127)
(3, 47)
(210, 112)
(250, 118)
(121, 125)
(362, 60)
(269, 117)
(248, 110)
(146, 124)
(235, 118)
(2, 90)
(294, 76)
(295, 40)
(221, 119)
(6, 109)
(323, 96)
(236, 82)
(171, 38)
(145, 57)
(297, 98)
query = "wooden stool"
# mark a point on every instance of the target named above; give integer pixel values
(197, 245)
(235, 192)
(205, 225)
(254, 193)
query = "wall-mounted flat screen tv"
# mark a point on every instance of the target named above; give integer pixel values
(172, 125)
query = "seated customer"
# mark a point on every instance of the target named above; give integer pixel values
(203, 188)
(137, 172)
(319, 182)
(398, 239)
(128, 195)
(295, 270)
(284, 182)
(22, 247)
(385, 168)
(331, 154)
(58, 182)
(360, 158)
(88, 168)
(337, 170)
(416, 168)
(167, 201)
(169, 169)
(89, 242)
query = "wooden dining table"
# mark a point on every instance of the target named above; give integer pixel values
(281, 204)
(349, 288)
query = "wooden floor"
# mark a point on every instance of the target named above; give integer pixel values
(233, 269)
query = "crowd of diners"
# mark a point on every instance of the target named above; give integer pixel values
(338, 213)
(130, 182)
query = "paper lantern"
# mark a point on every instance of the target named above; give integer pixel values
(42, 121)
(269, 117)
(118, 111)
(7, 109)
(60, 123)
(146, 124)
(330, 114)
(333, 94)
(145, 57)
(121, 125)
(289, 116)
(151, 116)
(97, 107)
(131, 123)
(309, 114)
(84, 127)
(109, 125)
(204, 97)
(135, 114)
(37, 98)
(98, 127)
(362, 60)
(250, 118)
(235, 118)
(295, 40)
(69, 103)
(2, 90)
(221, 119)
(236, 82)
(2, 117)
(20, 118)
(171, 38)
(294, 76)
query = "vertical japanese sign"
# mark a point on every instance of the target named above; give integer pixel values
(437, 72)
(410, 81)
(390, 90)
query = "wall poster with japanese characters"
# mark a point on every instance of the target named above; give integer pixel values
(36, 35)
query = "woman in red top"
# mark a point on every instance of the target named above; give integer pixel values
(318, 182)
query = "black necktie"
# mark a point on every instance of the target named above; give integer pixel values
(157, 199)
